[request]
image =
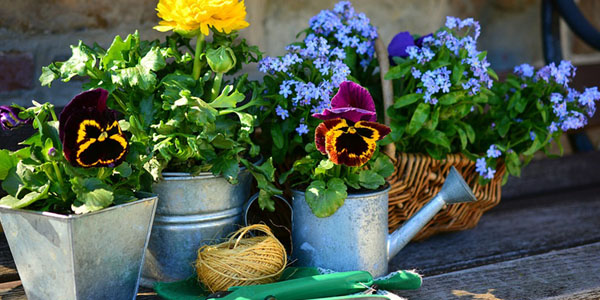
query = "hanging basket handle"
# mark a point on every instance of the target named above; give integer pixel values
(387, 90)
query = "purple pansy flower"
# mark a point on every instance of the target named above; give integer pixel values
(352, 102)
(9, 117)
(401, 42)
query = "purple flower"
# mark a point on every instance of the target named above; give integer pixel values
(399, 43)
(52, 152)
(9, 117)
(493, 152)
(490, 173)
(532, 135)
(352, 102)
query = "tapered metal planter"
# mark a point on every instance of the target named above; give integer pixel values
(97, 255)
(192, 211)
(353, 238)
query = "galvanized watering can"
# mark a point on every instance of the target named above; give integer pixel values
(356, 236)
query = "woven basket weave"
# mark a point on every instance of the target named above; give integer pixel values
(418, 178)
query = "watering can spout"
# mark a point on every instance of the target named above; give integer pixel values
(454, 190)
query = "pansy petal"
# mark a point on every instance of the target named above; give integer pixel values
(397, 46)
(372, 130)
(323, 128)
(348, 148)
(349, 113)
(88, 101)
(351, 94)
(419, 41)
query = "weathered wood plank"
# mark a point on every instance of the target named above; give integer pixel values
(549, 175)
(515, 228)
(553, 274)
(14, 291)
(593, 294)
(8, 270)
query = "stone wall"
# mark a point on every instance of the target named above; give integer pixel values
(33, 33)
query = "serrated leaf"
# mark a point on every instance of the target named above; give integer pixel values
(227, 99)
(325, 199)
(115, 54)
(153, 60)
(27, 200)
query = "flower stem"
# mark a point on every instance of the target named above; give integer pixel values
(199, 48)
(120, 102)
(216, 88)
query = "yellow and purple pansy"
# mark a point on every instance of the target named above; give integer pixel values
(90, 133)
(350, 136)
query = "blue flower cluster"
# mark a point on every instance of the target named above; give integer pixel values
(476, 73)
(323, 51)
(481, 166)
(564, 107)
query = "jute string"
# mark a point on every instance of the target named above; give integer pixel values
(241, 260)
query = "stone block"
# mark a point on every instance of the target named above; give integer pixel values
(16, 71)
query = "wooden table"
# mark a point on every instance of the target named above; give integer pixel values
(541, 242)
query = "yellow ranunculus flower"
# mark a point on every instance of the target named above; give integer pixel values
(191, 16)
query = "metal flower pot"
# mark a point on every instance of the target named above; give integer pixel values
(97, 255)
(192, 211)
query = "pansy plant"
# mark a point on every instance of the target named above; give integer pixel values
(344, 156)
(78, 163)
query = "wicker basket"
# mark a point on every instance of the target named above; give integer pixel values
(418, 178)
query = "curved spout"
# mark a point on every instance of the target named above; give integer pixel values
(454, 190)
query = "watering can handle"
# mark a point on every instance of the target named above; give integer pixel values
(454, 190)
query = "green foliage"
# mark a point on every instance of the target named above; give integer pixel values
(38, 176)
(329, 184)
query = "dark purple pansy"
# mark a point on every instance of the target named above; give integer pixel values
(9, 117)
(352, 102)
(401, 41)
(90, 133)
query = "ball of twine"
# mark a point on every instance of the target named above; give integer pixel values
(241, 261)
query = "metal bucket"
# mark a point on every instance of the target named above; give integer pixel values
(354, 238)
(192, 211)
(91, 256)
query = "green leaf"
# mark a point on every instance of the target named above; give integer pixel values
(6, 163)
(27, 200)
(513, 164)
(227, 167)
(418, 119)
(535, 146)
(370, 179)
(436, 137)
(457, 73)
(407, 100)
(469, 130)
(503, 126)
(265, 176)
(323, 166)
(451, 98)
(383, 166)
(137, 76)
(124, 169)
(325, 200)
(226, 100)
(48, 75)
(93, 200)
(153, 60)
(277, 136)
(398, 71)
(492, 73)
(352, 180)
(117, 54)
(462, 136)
(80, 61)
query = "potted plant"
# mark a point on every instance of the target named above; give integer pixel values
(339, 45)
(450, 110)
(341, 184)
(75, 217)
(191, 117)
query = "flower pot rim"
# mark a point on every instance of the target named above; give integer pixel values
(385, 189)
(143, 198)
(168, 176)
